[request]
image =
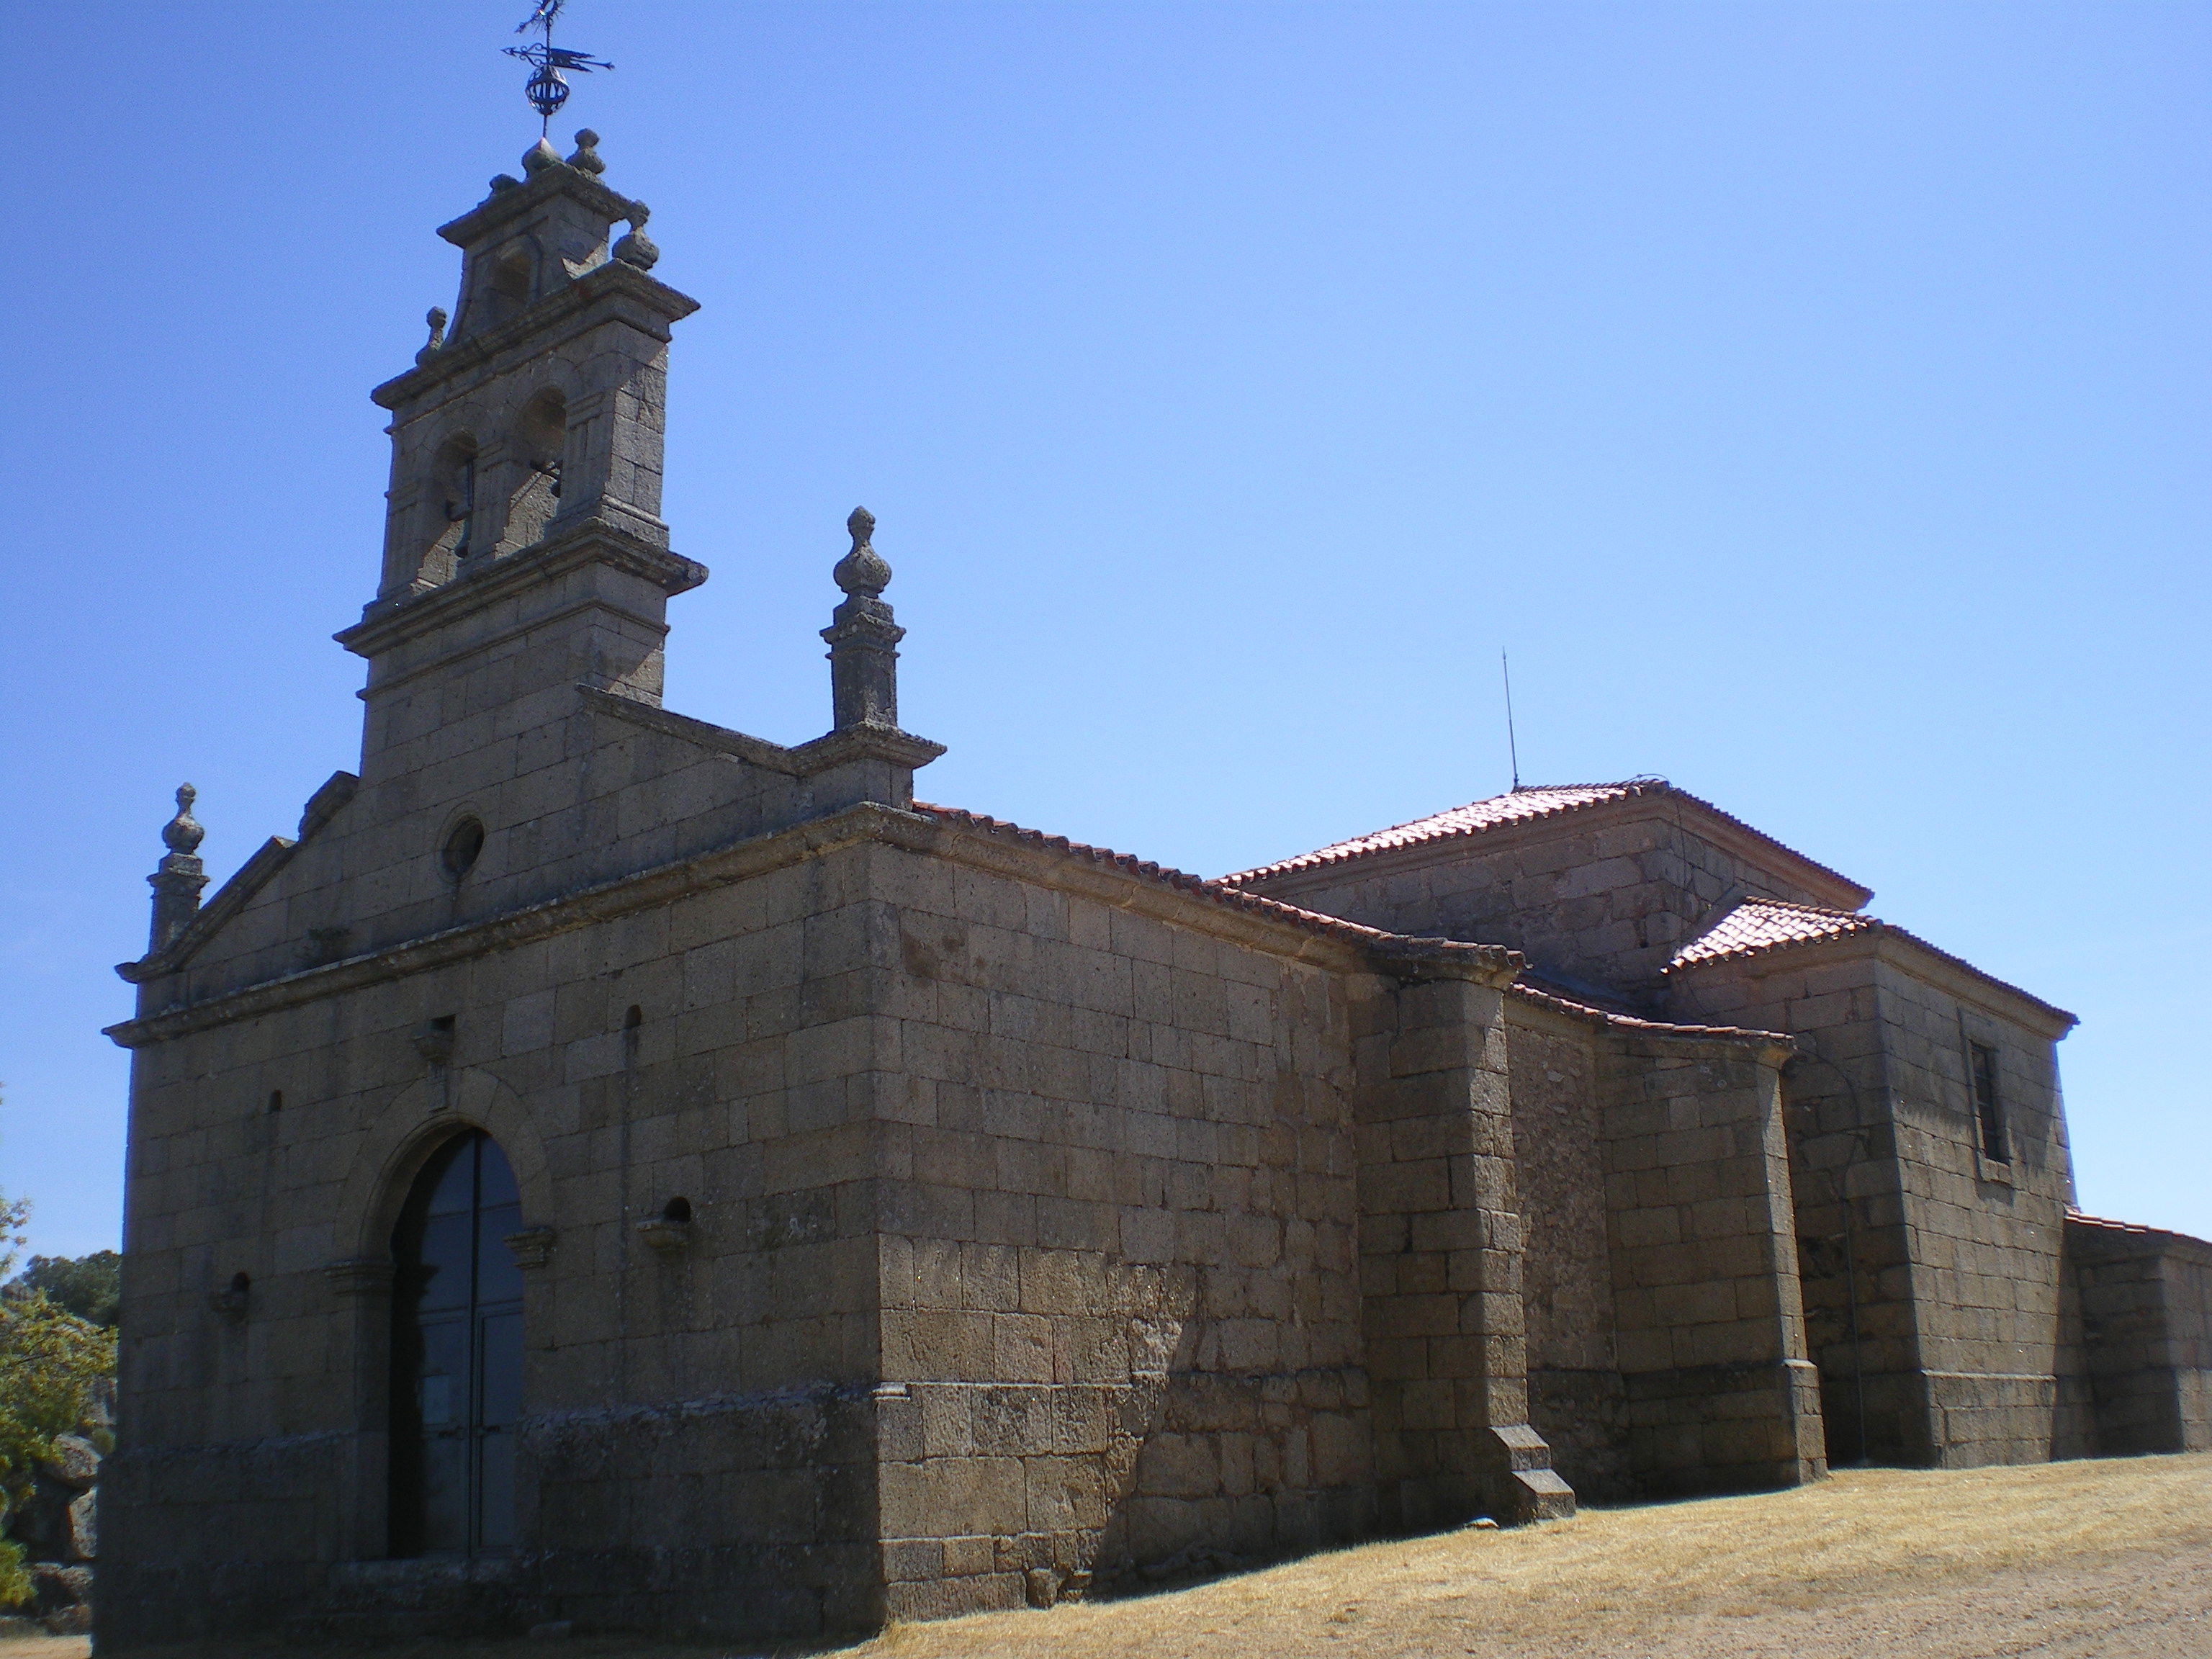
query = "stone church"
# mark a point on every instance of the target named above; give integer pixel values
(606, 1167)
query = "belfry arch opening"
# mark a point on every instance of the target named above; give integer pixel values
(508, 289)
(541, 433)
(453, 500)
(456, 1354)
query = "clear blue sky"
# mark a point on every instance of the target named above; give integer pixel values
(1813, 396)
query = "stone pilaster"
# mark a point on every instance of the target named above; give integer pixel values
(1441, 1255)
(361, 1286)
(1711, 1333)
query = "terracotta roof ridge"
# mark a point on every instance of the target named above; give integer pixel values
(1738, 932)
(1467, 819)
(1579, 992)
(1850, 922)
(2088, 1220)
(1339, 852)
(2081, 1218)
(1214, 891)
(1518, 789)
(1796, 904)
(1637, 1023)
(1937, 950)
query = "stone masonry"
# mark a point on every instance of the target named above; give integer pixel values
(921, 1214)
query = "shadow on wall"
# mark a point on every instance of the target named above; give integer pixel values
(2135, 1342)
(1153, 1458)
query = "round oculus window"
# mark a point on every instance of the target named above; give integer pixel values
(463, 848)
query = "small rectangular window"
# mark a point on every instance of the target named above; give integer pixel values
(1989, 1110)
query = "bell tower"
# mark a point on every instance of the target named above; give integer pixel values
(524, 548)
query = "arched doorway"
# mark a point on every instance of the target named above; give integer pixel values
(456, 1354)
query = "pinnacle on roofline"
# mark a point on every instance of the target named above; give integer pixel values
(862, 636)
(176, 881)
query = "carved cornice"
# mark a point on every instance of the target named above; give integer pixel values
(1416, 960)
(860, 743)
(883, 743)
(1769, 1048)
(565, 307)
(662, 885)
(704, 734)
(1907, 953)
(360, 1275)
(560, 179)
(327, 802)
(1279, 929)
(393, 621)
(253, 875)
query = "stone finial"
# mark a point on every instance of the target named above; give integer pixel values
(539, 156)
(502, 182)
(177, 879)
(437, 320)
(862, 570)
(586, 158)
(637, 248)
(182, 833)
(863, 638)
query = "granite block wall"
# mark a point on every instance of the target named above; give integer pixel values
(1931, 1269)
(1854, 1251)
(920, 1216)
(1576, 1399)
(572, 788)
(1597, 899)
(1440, 1245)
(709, 1404)
(1719, 1393)
(1119, 1287)
(1987, 1231)
(2144, 1334)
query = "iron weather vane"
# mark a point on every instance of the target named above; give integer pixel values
(547, 88)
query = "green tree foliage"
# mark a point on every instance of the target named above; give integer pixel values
(14, 1215)
(90, 1286)
(14, 1583)
(51, 1362)
(56, 1346)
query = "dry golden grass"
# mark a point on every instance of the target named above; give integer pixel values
(2090, 1561)
(1616, 1580)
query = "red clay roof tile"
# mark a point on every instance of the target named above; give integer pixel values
(1320, 923)
(1518, 806)
(2076, 1219)
(1758, 926)
(1524, 991)
(1200, 887)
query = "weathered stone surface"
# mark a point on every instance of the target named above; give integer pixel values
(84, 1527)
(915, 1215)
(40, 1522)
(76, 1461)
(62, 1596)
(2138, 1312)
